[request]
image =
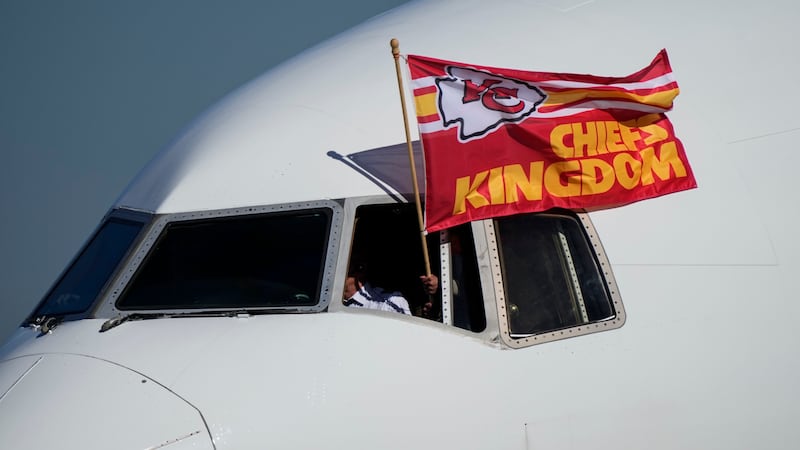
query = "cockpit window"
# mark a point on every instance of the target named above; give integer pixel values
(82, 282)
(552, 278)
(388, 251)
(248, 261)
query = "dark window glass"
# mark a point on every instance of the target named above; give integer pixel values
(468, 312)
(272, 260)
(81, 283)
(550, 274)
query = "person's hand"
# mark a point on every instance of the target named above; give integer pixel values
(427, 309)
(430, 283)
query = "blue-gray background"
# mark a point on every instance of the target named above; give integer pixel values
(90, 90)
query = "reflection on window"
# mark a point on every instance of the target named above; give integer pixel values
(270, 260)
(79, 287)
(551, 276)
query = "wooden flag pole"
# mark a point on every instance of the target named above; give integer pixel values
(395, 44)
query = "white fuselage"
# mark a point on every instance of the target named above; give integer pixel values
(707, 356)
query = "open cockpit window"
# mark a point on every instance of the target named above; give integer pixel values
(82, 282)
(387, 258)
(245, 261)
(556, 281)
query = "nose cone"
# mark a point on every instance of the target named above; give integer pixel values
(75, 401)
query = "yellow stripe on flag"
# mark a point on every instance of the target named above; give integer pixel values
(660, 99)
(426, 104)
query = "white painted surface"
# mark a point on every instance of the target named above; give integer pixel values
(707, 358)
(72, 400)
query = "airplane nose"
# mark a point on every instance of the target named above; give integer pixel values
(83, 402)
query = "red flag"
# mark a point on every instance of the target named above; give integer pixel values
(504, 141)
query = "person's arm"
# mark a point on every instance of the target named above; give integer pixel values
(431, 285)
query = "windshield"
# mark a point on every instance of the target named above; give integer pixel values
(551, 277)
(252, 261)
(82, 282)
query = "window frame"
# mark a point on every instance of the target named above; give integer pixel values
(108, 307)
(446, 277)
(122, 214)
(605, 272)
(352, 204)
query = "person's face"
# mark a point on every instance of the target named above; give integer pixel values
(350, 287)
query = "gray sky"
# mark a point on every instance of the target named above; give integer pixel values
(90, 90)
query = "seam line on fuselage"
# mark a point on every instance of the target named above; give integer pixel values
(10, 388)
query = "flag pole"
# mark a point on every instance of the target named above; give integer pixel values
(395, 44)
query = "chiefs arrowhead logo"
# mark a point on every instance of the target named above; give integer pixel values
(479, 102)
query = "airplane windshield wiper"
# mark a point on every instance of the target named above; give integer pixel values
(45, 324)
(119, 320)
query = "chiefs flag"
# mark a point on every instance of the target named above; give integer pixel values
(504, 141)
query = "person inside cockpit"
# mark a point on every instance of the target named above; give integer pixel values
(359, 293)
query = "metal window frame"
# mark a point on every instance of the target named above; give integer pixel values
(107, 308)
(141, 217)
(445, 277)
(603, 265)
